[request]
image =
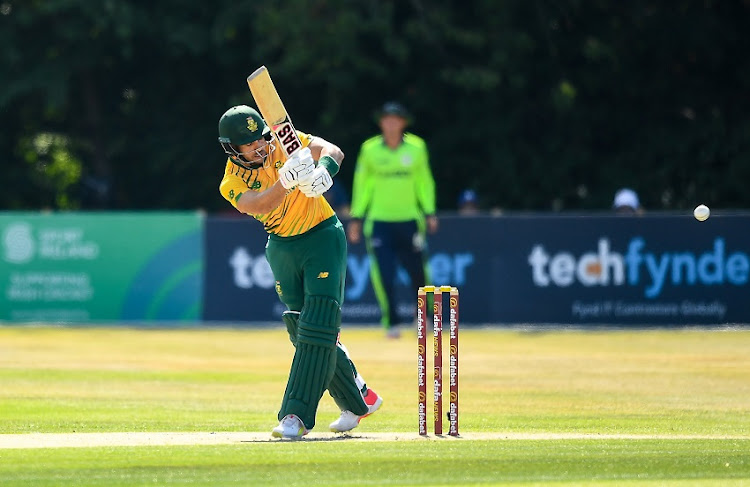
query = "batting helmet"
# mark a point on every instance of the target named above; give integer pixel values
(242, 125)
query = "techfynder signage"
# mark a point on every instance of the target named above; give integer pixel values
(658, 269)
(526, 269)
(639, 267)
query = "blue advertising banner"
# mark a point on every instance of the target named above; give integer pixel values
(239, 285)
(623, 270)
(238, 282)
(529, 269)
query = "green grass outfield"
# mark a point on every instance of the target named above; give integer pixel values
(119, 406)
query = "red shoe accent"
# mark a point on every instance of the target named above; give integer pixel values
(373, 402)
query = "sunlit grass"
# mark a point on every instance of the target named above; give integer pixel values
(657, 383)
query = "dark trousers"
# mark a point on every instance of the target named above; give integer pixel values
(388, 245)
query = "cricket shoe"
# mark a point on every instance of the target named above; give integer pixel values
(348, 420)
(290, 427)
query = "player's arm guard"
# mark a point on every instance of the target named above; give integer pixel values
(330, 164)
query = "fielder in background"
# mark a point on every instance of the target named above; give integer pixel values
(306, 250)
(626, 202)
(394, 193)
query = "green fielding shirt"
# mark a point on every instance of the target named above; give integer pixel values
(393, 185)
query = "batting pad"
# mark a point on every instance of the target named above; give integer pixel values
(290, 319)
(343, 387)
(319, 321)
(314, 358)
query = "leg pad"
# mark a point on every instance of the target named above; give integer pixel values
(291, 320)
(314, 358)
(343, 387)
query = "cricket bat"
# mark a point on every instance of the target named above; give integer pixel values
(272, 110)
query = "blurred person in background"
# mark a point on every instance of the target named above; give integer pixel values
(306, 250)
(394, 194)
(468, 202)
(626, 202)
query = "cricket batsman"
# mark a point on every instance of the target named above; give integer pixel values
(306, 250)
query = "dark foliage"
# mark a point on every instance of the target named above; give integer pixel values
(536, 104)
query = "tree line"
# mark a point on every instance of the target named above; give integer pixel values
(537, 104)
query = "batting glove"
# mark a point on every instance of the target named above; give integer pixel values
(317, 183)
(297, 168)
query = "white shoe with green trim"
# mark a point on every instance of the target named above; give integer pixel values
(290, 427)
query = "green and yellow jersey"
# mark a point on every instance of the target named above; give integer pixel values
(295, 215)
(393, 185)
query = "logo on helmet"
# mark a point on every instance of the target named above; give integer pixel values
(252, 125)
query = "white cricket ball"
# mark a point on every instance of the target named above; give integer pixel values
(701, 213)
